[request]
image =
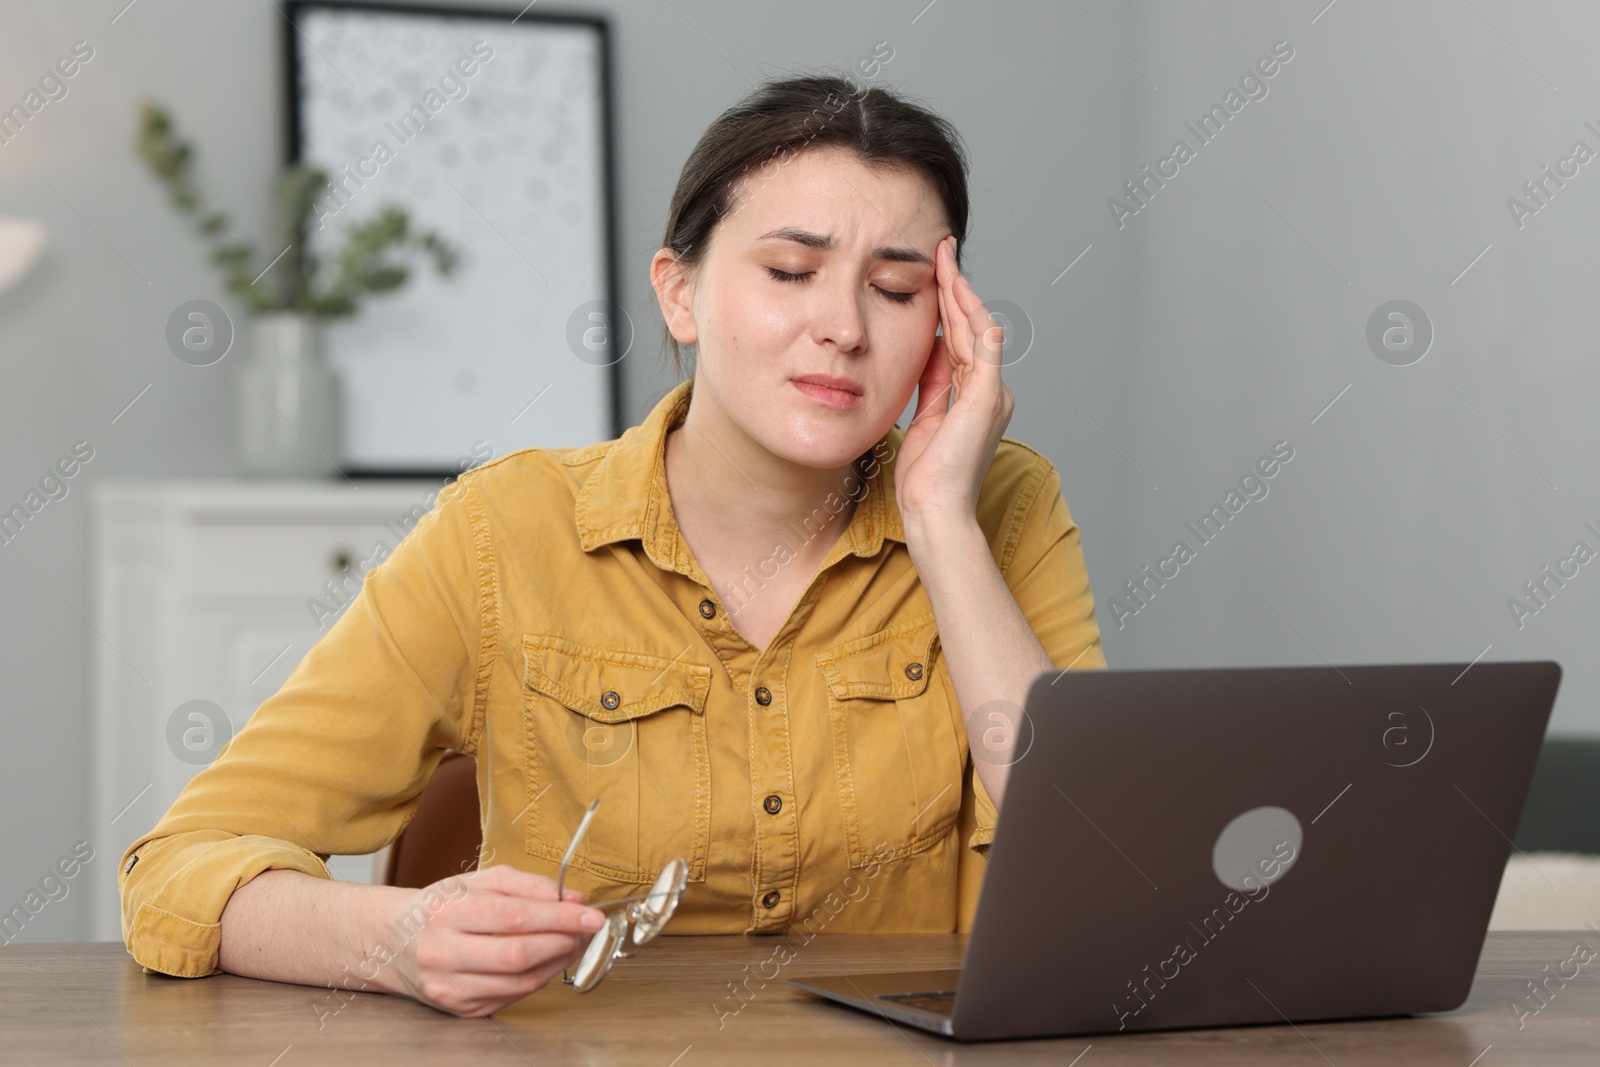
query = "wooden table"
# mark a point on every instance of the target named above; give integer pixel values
(90, 1003)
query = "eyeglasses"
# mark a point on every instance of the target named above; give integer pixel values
(625, 930)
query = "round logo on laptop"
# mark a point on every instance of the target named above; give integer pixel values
(1256, 848)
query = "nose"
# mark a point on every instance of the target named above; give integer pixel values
(836, 315)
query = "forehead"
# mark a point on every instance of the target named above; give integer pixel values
(829, 190)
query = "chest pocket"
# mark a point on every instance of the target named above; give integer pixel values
(628, 728)
(897, 751)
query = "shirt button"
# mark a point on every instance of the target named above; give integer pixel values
(707, 609)
(770, 900)
(773, 804)
(609, 700)
(913, 671)
(763, 695)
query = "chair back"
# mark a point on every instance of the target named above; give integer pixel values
(444, 835)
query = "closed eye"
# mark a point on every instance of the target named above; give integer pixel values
(786, 276)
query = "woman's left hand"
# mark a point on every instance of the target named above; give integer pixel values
(947, 450)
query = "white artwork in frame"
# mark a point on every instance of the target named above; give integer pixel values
(491, 129)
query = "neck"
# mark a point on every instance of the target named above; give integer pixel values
(719, 479)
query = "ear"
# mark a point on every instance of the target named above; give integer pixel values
(675, 295)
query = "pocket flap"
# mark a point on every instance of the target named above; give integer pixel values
(584, 678)
(891, 665)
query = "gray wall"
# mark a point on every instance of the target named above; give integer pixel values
(1220, 319)
(1378, 167)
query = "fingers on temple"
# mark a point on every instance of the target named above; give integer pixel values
(517, 954)
(493, 913)
(509, 880)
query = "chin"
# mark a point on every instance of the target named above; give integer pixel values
(823, 443)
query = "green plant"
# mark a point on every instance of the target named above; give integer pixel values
(297, 281)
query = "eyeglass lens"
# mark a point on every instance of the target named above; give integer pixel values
(646, 916)
(602, 950)
(652, 913)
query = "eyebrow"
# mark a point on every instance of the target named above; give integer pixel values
(817, 240)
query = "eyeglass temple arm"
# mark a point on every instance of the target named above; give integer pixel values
(629, 900)
(583, 828)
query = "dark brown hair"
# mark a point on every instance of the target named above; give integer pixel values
(781, 118)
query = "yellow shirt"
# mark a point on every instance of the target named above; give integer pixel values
(547, 617)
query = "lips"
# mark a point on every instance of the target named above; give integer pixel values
(830, 381)
(829, 390)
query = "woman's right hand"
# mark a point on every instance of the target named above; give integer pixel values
(472, 943)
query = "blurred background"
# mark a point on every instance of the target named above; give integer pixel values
(1377, 259)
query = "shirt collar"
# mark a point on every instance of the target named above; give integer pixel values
(625, 496)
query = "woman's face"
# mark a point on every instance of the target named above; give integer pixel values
(814, 307)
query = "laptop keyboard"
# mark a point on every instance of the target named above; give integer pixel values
(941, 1003)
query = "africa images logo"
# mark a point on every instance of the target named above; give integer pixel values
(1142, 189)
(1255, 849)
(1252, 487)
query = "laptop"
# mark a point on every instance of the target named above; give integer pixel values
(1215, 847)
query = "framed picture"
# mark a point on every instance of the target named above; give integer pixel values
(492, 129)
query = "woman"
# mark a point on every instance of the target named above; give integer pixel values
(756, 627)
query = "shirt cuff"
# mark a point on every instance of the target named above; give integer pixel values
(986, 812)
(174, 894)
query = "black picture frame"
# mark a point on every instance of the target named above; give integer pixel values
(293, 56)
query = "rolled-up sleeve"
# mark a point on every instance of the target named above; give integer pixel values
(1042, 562)
(333, 763)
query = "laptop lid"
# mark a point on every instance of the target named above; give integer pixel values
(1201, 847)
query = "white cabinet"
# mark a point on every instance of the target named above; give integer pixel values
(203, 597)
